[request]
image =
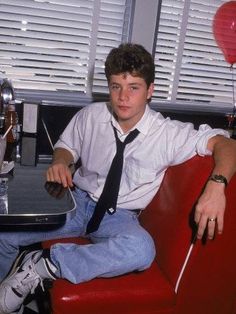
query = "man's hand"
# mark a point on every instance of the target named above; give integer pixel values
(61, 173)
(55, 189)
(210, 209)
(209, 214)
(59, 170)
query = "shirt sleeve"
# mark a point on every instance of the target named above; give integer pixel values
(205, 133)
(71, 138)
(187, 141)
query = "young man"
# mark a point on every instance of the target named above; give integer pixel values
(94, 135)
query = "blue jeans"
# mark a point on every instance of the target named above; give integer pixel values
(119, 246)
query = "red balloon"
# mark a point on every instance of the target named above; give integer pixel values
(224, 28)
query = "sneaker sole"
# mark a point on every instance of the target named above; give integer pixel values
(20, 311)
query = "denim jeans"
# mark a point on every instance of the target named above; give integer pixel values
(120, 245)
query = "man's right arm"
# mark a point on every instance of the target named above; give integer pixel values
(59, 170)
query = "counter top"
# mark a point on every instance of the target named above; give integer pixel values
(26, 199)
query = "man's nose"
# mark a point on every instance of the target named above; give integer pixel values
(123, 94)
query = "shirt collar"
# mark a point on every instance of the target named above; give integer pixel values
(142, 125)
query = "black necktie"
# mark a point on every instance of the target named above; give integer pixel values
(108, 199)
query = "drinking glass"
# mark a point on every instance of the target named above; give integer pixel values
(2, 150)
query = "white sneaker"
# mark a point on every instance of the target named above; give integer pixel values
(22, 280)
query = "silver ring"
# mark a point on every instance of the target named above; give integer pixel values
(211, 219)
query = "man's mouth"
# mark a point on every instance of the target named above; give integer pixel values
(122, 108)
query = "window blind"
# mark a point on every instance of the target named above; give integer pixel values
(52, 45)
(190, 68)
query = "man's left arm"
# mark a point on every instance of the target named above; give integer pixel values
(211, 204)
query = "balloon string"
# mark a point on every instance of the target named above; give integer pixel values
(233, 81)
(231, 116)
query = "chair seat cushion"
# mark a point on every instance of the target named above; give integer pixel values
(133, 293)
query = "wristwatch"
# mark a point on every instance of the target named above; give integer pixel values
(219, 179)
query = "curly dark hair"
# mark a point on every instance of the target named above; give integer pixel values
(133, 59)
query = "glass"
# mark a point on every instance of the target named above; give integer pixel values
(2, 149)
(3, 196)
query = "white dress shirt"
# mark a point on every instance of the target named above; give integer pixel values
(162, 142)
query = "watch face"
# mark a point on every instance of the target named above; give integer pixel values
(219, 178)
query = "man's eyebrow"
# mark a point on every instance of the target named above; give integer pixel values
(135, 83)
(131, 83)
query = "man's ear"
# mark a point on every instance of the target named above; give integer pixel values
(150, 91)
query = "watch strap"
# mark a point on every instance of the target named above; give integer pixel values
(219, 178)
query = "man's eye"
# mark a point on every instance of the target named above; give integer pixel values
(114, 86)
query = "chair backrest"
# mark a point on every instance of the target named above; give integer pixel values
(169, 217)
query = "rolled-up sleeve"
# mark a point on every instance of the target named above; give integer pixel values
(71, 138)
(205, 133)
(187, 141)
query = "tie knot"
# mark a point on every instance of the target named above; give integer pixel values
(130, 137)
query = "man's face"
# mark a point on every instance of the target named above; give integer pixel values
(129, 95)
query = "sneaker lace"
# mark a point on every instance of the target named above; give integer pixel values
(30, 282)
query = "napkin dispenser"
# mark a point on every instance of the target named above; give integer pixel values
(29, 153)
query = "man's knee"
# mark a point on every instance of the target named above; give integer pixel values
(145, 250)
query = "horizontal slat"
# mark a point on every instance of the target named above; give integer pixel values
(51, 69)
(46, 9)
(15, 28)
(80, 22)
(44, 43)
(46, 36)
(32, 52)
(29, 85)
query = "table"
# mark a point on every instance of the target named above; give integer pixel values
(25, 200)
